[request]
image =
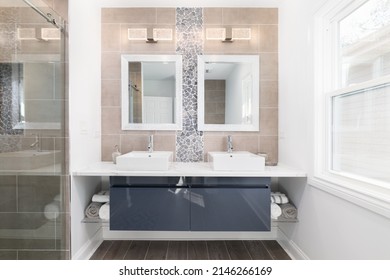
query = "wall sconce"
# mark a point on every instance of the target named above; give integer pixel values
(43, 34)
(26, 34)
(228, 34)
(50, 34)
(150, 35)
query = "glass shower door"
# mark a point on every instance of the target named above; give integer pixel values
(34, 211)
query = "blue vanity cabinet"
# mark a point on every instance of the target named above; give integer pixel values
(149, 203)
(230, 204)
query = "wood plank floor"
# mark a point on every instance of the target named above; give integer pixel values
(190, 250)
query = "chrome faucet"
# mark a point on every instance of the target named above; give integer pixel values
(150, 145)
(229, 144)
(37, 143)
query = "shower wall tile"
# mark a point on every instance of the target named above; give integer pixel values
(35, 192)
(44, 255)
(61, 7)
(8, 193)
(8, 255)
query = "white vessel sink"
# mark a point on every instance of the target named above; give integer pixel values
(236, 161)
(144, 161)
(28, 159)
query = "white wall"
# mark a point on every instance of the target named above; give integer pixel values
(84, 114)
(329, 227)
(84, 82)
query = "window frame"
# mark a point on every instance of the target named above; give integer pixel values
(374, 194)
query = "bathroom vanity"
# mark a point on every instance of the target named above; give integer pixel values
(190, 203)
(187, 201)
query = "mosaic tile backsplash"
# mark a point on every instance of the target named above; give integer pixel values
(189, 32)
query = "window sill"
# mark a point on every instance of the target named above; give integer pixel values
(376, 200)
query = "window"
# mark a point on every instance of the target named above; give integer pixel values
(353, 99)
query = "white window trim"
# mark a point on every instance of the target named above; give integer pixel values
(368, 193)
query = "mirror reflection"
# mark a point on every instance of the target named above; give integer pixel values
(228, 92)
(151, 87)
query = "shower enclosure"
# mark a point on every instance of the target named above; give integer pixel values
(34, 179)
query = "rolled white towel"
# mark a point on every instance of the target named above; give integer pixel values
(102, 197)
(279, 198)
(52, 210)
(276, 211)
(104, 211)
(92, 210)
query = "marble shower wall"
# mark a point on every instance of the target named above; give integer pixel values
(189, 24)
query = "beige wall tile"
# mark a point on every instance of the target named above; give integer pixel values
(111, 93)
(268, 94)
(166, 16)
(129, 15)
(250, 16)
(268, 36)
(269, 145)
(111, 65)
(212, 15)
(214, 143)
(269, 66)
(165, 143)
(108, 144)
(111, 120)
(111, 37)
(248, 143)
(269, 121)
(137, 142)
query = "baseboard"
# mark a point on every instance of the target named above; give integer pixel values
(87, 250)
(188, 235)
(290, 247)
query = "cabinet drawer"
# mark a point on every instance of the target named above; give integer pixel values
(149, 208)
(230, 209)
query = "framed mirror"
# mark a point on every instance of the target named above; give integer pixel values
(151, 92)
(228, 92)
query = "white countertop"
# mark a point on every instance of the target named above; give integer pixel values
(198, 169)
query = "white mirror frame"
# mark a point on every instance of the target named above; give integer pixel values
(125, 59)
(255, 65)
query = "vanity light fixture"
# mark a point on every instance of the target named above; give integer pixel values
(150, 35)
(228, 34)
(50, 34)
(26, 34)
